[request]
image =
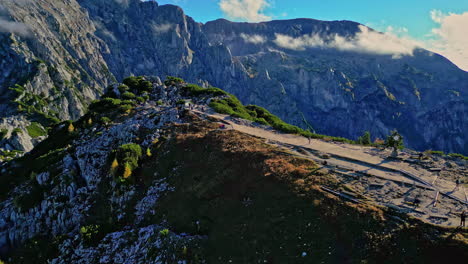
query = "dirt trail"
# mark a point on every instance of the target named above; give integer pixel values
(353, 161)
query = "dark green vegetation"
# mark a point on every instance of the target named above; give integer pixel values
(441, 153)
(127, 156)
(255, 203)
(9, 155)
(42, 158)
(230, 105)
(195, 90)
(35, 130)
(35, 106)
(394, 140)
(365, 139)
(171, 80)
(3, 133)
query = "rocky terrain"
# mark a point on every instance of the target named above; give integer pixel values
(149, 175)
(57, 56)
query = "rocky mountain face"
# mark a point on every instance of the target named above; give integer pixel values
(67, 52)
(141, 179)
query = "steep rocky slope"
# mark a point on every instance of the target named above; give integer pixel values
(140, 179)
(69, 51)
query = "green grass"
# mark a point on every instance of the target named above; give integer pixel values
(441, 153)
(457, 155)
(435, 152)
(230, 105)
(35, 130)
(171, 80)
(34, 106)
(3, 133)
(195, 90)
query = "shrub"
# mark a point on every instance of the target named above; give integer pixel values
(131, 82)
(145, 86)
(105, 104)
(394, 140)
(35, 130)
(70, 128)
(114, 166)
(365, 139)
(16, 131)
(127, 171)
(128, 155)
(123, 88)
(126, 108)
(195, 90)
(435, 152)
(3, 133)
(128, 95)
(140, 99)
(138, 84)
(89, 233)
(105, 120)
(457, 155)
(180, 102)
(148, 152)
(164, 232)
(170, 80)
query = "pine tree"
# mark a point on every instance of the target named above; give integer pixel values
(127, 171)
(71, 128)
(114, 166)
(394, 140)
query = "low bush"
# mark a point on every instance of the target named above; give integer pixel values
(3, 133)
(35, 130)
(195, 90)
(457, 155)
(90, 234)
(128, 95)
(230, 105)
(170, 80)
(126, 160)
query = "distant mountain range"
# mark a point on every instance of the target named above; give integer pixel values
(308, 72)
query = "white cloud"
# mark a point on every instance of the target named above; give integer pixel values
(451, 37)
(246, 10)
(254, 39)
(365, 41)
(162, 28)
(14, 27)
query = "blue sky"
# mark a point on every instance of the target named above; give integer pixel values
(439, 31)
(411, 14)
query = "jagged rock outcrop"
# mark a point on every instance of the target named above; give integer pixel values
(73, 49)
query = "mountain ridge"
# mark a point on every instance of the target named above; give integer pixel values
(135, 38)
(149, 175)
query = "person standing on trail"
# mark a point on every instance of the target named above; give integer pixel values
(308, 135)
(462, 219)
(457, 184)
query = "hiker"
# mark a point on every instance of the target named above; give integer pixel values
(421, 155)
(308, 137)
(457, 184)
(417, 201)
(462, 219)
